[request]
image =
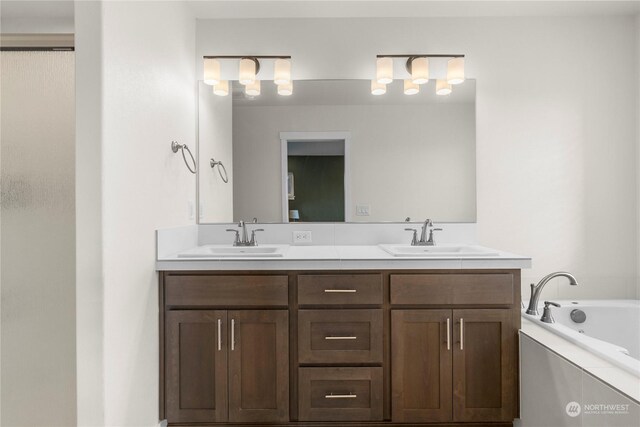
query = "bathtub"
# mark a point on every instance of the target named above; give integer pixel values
(611, 329)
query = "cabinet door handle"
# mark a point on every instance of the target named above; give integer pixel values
(448, 333)
(340, 338)
(461, 333)
(340, 291)
(219, 334)
(340, 396)
(233, 334)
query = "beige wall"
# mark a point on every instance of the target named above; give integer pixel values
(556, 145)
(146, 98)
(38, 239)
(404, 160)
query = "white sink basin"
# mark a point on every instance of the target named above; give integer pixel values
(448, 251)
(229, 251)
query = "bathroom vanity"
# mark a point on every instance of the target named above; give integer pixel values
(425, 346)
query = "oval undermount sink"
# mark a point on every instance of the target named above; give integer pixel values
(228, 251)
(444, 251)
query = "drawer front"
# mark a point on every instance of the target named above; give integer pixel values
(226, 291)
(340, 289)
(340, 336)
(340, 394)
(452, 289)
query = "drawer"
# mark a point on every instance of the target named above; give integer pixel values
(226, 291)
(340, 336)
(340, 289)
(340, 394)
(452, 289)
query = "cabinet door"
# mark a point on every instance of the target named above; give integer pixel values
(421, 365)
(484, 366)
(259, 366)
(196, 366)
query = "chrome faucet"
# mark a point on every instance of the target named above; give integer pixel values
(536, 290)
(427, 227)
(242, 238)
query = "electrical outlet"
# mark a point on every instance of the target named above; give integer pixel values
(302, 238)
(363, 210)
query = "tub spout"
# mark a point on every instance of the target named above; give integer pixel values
(536, 290)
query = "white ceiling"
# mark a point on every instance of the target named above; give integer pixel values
(222, 9)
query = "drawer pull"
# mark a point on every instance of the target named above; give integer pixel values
(219, 334)
(448, 333)
(340, 338)
(340, 396)
(461, 333)
(340, 291)
(233, 334)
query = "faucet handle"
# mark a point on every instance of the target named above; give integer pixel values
(414, 240)
(548, 303)
(237, 239)
(254, 242)
(547, 317)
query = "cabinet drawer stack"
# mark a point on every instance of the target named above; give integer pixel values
(340, 347)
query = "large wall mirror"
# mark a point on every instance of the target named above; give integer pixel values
(332, 152)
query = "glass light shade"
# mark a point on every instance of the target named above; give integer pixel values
(222, 88)
(384, 70)
(282, 71)
(442, 87)
(420, 71)
(247, 73)
(455, 71)
(253, 89)
(285, 89)
(378, 88)
(410, 88)
(211, 71)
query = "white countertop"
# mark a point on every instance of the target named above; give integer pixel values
(352, 257)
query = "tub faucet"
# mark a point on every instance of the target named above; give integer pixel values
(536, 290)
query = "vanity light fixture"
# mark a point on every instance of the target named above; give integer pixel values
(378, 88)
(222, 88)
(417, 66)
(248, 69)
(410, 88)
(442, 87)
(211, 71)
(253, 89)
(455, 71)
(285, 89)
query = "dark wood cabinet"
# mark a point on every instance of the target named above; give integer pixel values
(418, 347)
(453, 365)
(484, 366)
(196, 366)
(259, 366)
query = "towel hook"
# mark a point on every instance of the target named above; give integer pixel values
(175, 146)
(221, 169)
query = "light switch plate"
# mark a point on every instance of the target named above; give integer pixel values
(302, 238)
(363, 210)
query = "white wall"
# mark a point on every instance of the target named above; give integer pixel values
(638, 146)
(556, 144)
(215, 140)
(427, 150)
(147, 98)
(38, 239)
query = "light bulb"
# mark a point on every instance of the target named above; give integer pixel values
(455, 71)
(247, 73)
(384, 70)
(410, 88)
(282, 71)
(285, 89)
(420, 70)
(378, 88)
(211, 71)
(253, 89)
(222, 88)
(442, 87)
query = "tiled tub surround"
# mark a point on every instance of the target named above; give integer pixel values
(555, 372)
(334, 246)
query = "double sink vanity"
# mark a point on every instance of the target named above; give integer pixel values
(335, 334)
